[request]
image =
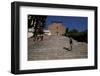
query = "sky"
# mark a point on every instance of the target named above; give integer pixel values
(71, 22)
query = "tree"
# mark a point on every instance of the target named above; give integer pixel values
(39, 27)
(73, 31)
(66, 31)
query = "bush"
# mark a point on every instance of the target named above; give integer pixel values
(79, 36)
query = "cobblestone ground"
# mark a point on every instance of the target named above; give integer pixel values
(52, 47)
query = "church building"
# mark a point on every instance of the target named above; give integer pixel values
(57, 28)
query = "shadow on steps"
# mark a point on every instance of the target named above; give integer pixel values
(66, 48)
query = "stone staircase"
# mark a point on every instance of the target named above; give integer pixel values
(52, 48)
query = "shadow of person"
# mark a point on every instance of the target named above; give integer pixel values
(66, 48)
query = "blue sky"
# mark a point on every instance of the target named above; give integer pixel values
(79, 23)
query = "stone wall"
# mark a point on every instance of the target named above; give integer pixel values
(57, 28)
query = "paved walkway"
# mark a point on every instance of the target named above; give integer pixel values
(52, 47)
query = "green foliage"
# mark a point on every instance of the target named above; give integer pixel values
(73, 31)
(79, 36)
(66, 32)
